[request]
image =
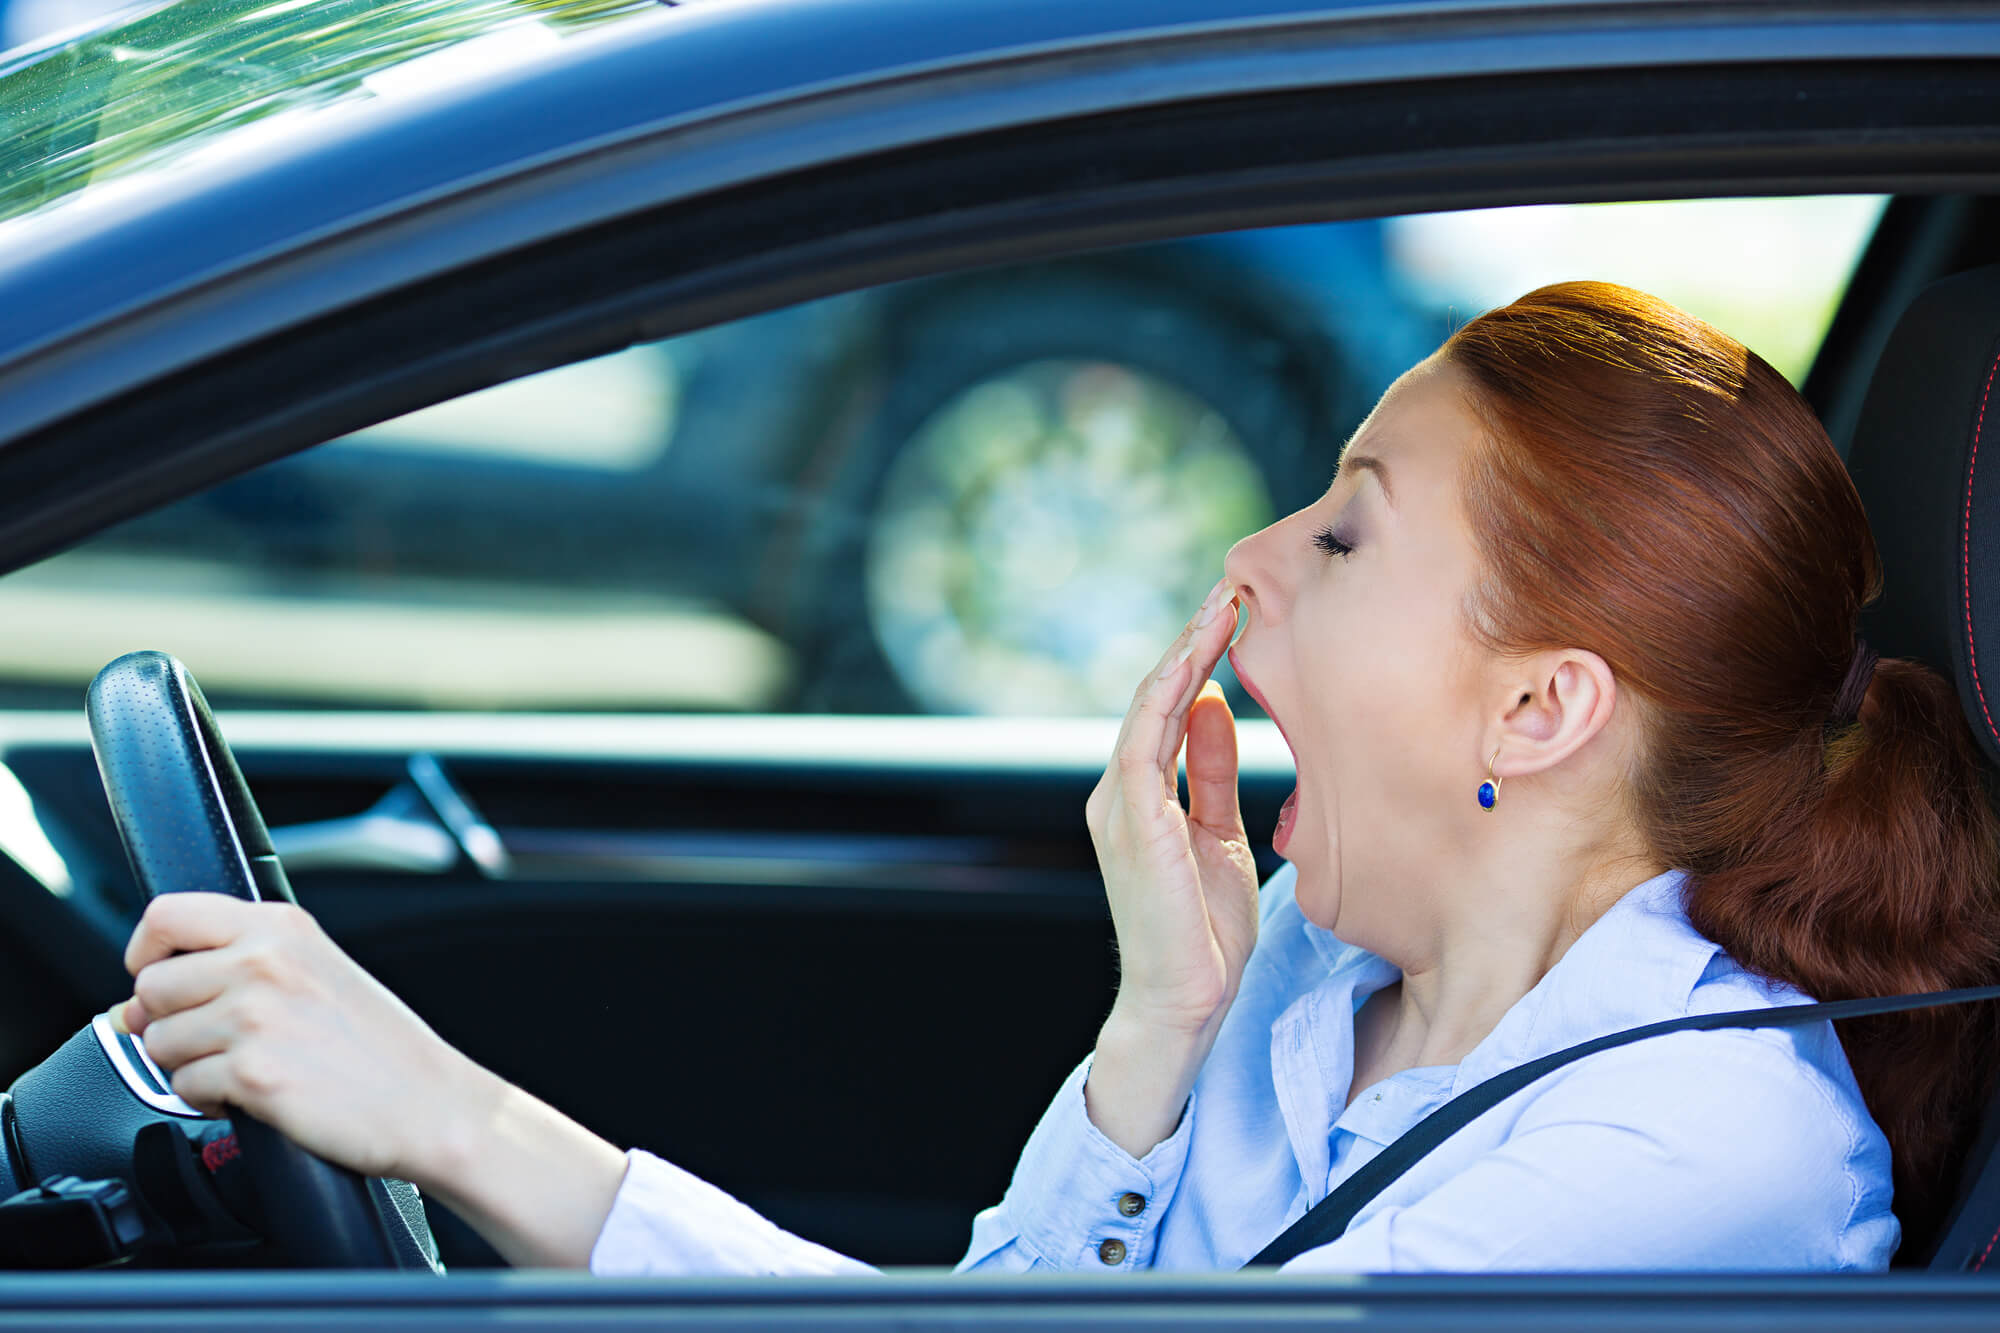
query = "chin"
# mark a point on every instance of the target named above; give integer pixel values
(1318, 894)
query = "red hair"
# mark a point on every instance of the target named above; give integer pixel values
(1652, 490)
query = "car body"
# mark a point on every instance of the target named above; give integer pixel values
(734, 938)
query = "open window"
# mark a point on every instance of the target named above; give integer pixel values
(993, 493)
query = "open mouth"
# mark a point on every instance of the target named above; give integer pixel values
(1281, 836)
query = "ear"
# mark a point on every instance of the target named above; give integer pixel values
(1553, 704)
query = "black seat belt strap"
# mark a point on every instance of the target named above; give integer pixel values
(1327, 1220)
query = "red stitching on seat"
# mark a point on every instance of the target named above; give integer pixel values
(1971, 648)
(1980, 1262)
(1965, 571)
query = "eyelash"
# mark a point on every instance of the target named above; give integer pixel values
(1332, 545)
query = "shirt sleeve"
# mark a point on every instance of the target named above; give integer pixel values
(1738, 1158)
(665, 1222)
(1078, 1200)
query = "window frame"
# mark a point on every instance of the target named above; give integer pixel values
(1219, 1302)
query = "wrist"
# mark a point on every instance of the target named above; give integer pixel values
(1140, 1079)
(461, 1120)
(1172, 1024)
(537, 1185)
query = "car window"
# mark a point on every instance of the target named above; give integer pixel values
(990, 493)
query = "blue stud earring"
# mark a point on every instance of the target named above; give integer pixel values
(1489, 790)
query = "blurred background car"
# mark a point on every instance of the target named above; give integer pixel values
(991, 493)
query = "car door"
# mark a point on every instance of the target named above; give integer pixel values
(611, 836)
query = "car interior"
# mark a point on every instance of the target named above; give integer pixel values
(834, 961)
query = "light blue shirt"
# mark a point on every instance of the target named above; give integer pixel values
(1741, 1149)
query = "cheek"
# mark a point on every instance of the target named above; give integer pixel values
(1380, 670)
(1380, 772)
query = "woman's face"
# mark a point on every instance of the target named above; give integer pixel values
(1355, 642)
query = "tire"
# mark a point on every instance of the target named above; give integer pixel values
(1234, 385)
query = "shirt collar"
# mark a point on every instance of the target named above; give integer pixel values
(1638, 963)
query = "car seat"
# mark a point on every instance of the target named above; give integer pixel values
(1926, 458)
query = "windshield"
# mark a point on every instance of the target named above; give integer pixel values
(142, 94)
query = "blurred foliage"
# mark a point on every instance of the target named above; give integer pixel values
(141, 92)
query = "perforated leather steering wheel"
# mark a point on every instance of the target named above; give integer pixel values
(189, 824)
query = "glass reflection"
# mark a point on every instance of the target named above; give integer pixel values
(145, 91)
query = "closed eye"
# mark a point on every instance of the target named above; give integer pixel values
(1332, 545)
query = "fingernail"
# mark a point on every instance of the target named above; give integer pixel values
(116, 1013)
(1214, 603)
(1187, 651)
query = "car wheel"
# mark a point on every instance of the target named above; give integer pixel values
(1056, 467)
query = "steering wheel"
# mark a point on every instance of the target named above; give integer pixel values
(189, 824)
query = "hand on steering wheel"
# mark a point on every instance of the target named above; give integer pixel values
(189, 824)
(251, 1006)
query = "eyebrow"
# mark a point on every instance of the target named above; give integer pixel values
(1370, 463)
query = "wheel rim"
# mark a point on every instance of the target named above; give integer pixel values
(1044, 534)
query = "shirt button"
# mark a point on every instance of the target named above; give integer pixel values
(1112, 1252)
(1131, 1204)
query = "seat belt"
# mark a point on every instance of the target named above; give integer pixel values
(1327, 1220)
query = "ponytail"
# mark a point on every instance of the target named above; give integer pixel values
(1651, 489)
(1878, 879)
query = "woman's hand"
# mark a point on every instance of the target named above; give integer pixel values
(250, 1005)
(1182, 885)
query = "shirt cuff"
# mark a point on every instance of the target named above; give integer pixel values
(665, 1222)
(1078, 1200)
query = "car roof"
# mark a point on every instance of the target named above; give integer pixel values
(145, 112)
(219, 130)
(424, 97)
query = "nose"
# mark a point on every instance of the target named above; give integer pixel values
(1256, 568)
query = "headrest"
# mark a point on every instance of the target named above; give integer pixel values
(1926, 458)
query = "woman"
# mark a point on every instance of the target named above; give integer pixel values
(1585, 740)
